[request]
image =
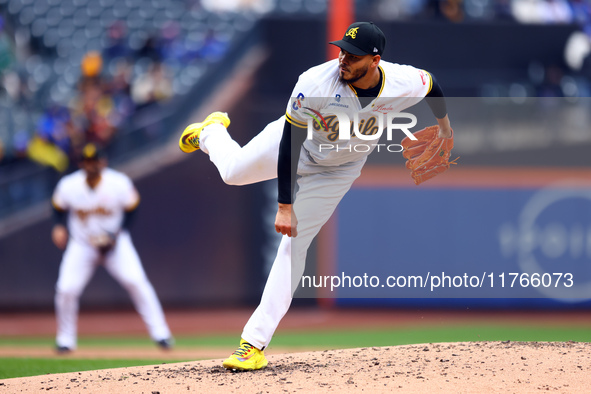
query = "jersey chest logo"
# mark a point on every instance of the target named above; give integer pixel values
(331, 127)
(83, 214)
(297, 104)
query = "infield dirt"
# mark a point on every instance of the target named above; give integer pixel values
(467, 367)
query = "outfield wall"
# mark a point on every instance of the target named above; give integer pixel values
(477, 236)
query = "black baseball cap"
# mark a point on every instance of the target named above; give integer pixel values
(362, 38)
(91, 152)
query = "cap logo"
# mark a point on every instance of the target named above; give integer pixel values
(352, 32)
(375, 49)
(89, 150)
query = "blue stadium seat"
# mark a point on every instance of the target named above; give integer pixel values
(41, 7)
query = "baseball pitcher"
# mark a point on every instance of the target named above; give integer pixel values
(363, 86)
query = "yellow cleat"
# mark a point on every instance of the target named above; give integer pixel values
(246, 358)
(189, 141)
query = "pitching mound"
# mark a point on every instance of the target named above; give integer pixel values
(440, 367)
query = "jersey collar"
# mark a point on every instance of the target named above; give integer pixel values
(381, 87)
(96, 183)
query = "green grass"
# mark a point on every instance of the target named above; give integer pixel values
(404, 336)
(346, 338)
(20, 367)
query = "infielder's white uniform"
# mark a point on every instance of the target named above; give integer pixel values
(92, 212)
(324, 176)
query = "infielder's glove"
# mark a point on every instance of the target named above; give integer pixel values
(428, 155)
(104, 243)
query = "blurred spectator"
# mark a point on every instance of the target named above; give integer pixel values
(171, 43)
(152, 87)
(581, 10)
(46, 153)
(117, 46)
(11, 83)
(452, 10)
(1, 150)
(151, 49)
(55, 126)
(92, 65)
(432, 10)
(120, 91)
(22, 43)
(557, 11)
(148, 91)
(214, 46)
(192, 47)
(577, 49)
(93, 108)
(402, 9)
(54, 139)
(542, 11)
(258, 6)
(17, 87)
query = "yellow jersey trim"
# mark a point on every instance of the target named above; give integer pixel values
(57, 207)
(430, 81)
(353, 89)
(295, 122)
(383, 81)
(133, 206)
(381, 87)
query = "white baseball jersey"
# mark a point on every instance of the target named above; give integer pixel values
(319, 91)
(93, 212)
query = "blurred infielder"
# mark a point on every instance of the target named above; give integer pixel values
(358, 79)
(97, 203)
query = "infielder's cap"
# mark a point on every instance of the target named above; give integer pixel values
(362, 38)
(91, 152)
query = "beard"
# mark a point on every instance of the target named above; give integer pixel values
(355, 76)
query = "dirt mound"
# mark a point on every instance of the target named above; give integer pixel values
(440, 367)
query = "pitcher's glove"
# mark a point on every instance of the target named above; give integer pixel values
(428, 155)
(104, 243)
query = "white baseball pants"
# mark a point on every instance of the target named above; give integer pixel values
(252, 163)
(123, 263)
(320, 191)
(317, 198)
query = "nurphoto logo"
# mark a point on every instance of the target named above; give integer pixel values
(337, 125)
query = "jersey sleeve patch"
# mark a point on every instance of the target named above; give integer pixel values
(420, 82)
(303, 97)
